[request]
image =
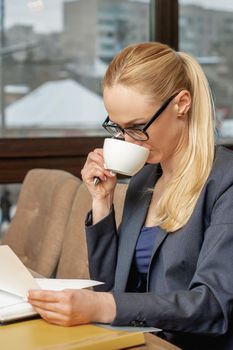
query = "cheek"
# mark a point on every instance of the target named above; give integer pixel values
(163, 141)
(156, 149)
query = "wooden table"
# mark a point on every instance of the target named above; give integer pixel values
(39, 335)
(155, 343)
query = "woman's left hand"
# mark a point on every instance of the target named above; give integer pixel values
(72, 307)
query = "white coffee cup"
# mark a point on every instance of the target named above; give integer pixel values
(124, 157)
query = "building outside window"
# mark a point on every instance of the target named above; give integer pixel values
(206, 31)
(54, 54)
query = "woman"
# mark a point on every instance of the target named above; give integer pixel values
(170, 266)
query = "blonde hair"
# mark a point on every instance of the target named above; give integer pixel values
(158, 71)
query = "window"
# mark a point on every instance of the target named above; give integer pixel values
(53, 56)
(206, 31)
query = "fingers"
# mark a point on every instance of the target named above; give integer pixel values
(54, 317)
(52, 300)
(97, 157)
(44, 295)
(94, 167)
(57, 307)
(42, 305)
(89, 174)
(53, 306)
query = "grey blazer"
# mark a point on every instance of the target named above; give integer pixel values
(190, 279)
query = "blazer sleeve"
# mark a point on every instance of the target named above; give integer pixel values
(206, 306)
(102, 250)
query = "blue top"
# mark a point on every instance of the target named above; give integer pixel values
(143, 252)
(144, 248)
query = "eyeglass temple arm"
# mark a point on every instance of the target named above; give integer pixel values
(157, 114)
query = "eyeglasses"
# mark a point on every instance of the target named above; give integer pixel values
(137, 133)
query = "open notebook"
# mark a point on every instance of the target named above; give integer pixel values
(16, 280)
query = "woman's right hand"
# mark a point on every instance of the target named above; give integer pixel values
(102, 193)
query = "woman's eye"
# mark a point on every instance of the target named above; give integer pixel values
(138, 126)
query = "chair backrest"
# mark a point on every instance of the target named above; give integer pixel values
(40, 222)
(73, 262)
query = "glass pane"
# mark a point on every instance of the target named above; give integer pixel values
(8, 199)
(206, 31)
(53, 56)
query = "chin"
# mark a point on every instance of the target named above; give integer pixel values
(153, 160)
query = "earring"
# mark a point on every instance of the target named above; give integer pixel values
(180, 114)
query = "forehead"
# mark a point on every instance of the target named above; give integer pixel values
(125, 104)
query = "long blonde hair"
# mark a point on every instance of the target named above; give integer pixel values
(158, 71)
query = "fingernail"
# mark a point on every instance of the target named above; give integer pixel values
(112, 173)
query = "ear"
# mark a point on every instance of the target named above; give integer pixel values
(183, 103)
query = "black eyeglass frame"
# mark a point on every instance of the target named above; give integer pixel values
(105, 124)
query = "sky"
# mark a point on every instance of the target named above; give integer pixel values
(211, 4)
(49, 19)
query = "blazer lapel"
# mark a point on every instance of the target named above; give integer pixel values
(161, 235)
(130, 231)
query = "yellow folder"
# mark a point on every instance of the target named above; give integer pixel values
(40, 335)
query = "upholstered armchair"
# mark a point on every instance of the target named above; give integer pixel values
(47, 232)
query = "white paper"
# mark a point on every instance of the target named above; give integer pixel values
(14, 276)
(16, 280)
(9, 299)
(60, 284)
(13, 307)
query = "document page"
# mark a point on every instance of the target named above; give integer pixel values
(7, 299)
(13, 307)
(60, 284)
(16, 280)
(14, 276)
